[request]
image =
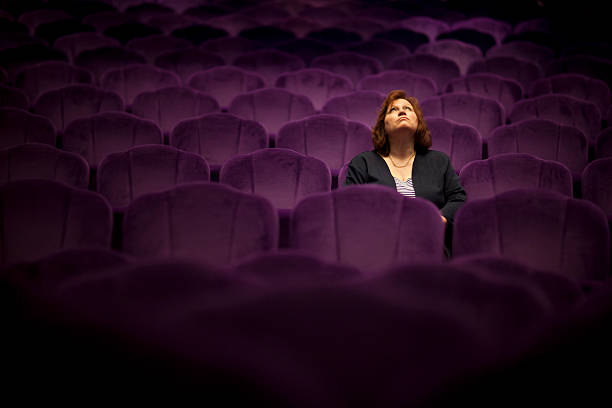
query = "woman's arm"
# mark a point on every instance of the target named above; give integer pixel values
(357, 172)
(454, 194)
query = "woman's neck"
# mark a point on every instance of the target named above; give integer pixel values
(401, 147)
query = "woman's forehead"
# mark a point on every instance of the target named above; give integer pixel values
(400, 102)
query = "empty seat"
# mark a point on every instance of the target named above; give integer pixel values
(11, 97)
(53, 30)
(603, 144)
(522, 71)
(350, 64)
(462, 143)
(461, 53)
(483, 113)
(229, 48)
(360, 106)
(419, 86)
(597, 185)
(225, 82)
(272, 107)
(43, 161)
(102, 59)
(41, 217)
(330, 138)
(341, 227)
(482, 40)
(207, 222)
(299, 26)
(364, 26)
(327, 16)
(269, 63)
(511, 171)
(45, 76)
(407, 37)
(504, 90)
(306, 49)
(526, 50)
(497, 28)
(382, 50)
(594, 67)
(441, 70)
(563, 109)
(154, 45)
(18, 126)
(233, 23)
(168, 106)
(73, 44)
(317, 84)
(132, 80)
(125, 176)
(187, 61)
(94, 137)
(543, 229)
(16, 58)
(426, 25)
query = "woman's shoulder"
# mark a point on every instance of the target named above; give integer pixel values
(435, 155)
(367, 156)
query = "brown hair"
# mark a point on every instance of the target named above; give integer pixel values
(380, 138)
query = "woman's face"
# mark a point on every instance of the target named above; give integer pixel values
(400, 115)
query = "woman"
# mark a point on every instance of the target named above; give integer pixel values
(401, 158)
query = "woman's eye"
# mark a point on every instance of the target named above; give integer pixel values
(392, 109)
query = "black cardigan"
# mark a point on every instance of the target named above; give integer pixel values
(433, 178)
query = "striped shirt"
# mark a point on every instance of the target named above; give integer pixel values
(405, 188)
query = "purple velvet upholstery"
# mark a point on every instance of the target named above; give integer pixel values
(34, 18)
(11, 97)
(300, 26)
(225, 82)
(131, 80)
(370, 227)
(594, 67)
(99, 60)
(507, 91)
(41, 217)
(431, 27)
(233, 23)
(469, 35)
(441, 70)
(317, 84)
(359, 106)
(270, 35)
(105, 19)
(576, 85)
(269, 63)
(230, 47)
(510, 171)
(168, 106)
(543, 229)
(207, 222)
(350, 64)
(383, 50)
(187, 61)
(45, 76)
(603, 143)
(365, 27)
(124, 176)
(522, 71)
(18, 126)
(218, 136)
(497, 28)
(419, 86)
(462, 143)
(562, 109)
(482, 113)
(330, 138)
(305, 48)
(96, 136)
(73, 44)
(463, 54)
(168, 22)
(326, 16)
(342, 174)
(542, 138)
(42, 161)
(526, 50)
(597, 184)
(72, 102)
(20, 56)
(153, 46)
(272, 107)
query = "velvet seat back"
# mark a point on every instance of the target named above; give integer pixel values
(358, 106)
(131, 80)
(597, 184)
(269, 63)
(11, 97)
(384, 51)
(416, 85)
(527, 50)
(224, 83)
(187, 61)
(462, 143)
(463, 54)
(45, 76)
(440, 70)
(504, 90)
(522, 71)
(317, 84)
(99, 60)
(352, 65)
(18, 126)
(73, 44)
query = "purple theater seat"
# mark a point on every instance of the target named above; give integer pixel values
(96, 136)
(264, 14)
(382, 50)
(18, 126)
(483, 113)
(369, 227)
(55, 29)
(131, 80)
(576, 85)
(525, 50)
(125, 176)
(269, 63)
(187, 61)
(441, 70)
(104, 19)
(419, 86)
(462, 143)
(16, 58)
(522, 71)
(461, 53)
(364, 26)
(594, 67)
(41, 217)
(306, 49)
(207, 222)
(168, 106)
(34, 18)
(11, 97)
(603, 144)
(99, 60)
(233, 23)
(507, 91)
(170, 22)
(540, 24)
(543, 229)
(317, 84)
(225, 82)
(431, 27)
(326, 16)
(597, 184)
(71, 102)
(562, 109)
(46, 76)
(497, 28)
(42, 161)
(479, 38)
(272, 107)
(360, 106)
(544, 139)
(229, 48)
(330, 138)
(299, 26)
(73, 44)
(511, 171)
(218, 137)
(350, 64)
(154, 45)
(125, 32)
(409, 38)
